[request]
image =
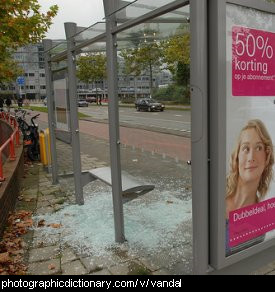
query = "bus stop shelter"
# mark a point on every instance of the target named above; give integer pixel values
(232, 46)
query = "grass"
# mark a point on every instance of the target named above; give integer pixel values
(81, 115)
(45, 110)
(36, 108)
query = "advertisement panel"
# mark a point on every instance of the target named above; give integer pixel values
(250, 131)
(61, 104)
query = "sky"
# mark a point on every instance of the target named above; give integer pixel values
(82, 12)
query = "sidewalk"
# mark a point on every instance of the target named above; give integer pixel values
(67, 239)
(47, 255)
(51, 248)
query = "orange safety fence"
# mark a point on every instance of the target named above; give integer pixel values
(6, 117)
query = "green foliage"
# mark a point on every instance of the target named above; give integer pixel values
(173, 93)
(22, 23)
(146, 57)
(127, 100)
(6, 95)
(143, 58)
(91, 68)
(9, 70)
(176, 50)
(182, 75)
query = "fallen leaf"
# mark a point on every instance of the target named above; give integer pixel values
(41, 223)
(17, 252)
(54, 225)
(12, 245)
(20, 225)
(12, 268)
(51, 266)
(4, 258)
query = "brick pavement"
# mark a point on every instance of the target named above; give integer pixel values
(47, 254)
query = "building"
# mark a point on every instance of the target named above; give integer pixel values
(31, 59)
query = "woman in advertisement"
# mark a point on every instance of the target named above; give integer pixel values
(250, 174)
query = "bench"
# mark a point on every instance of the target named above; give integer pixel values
(131, 188)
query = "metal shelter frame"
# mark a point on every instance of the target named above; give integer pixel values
(208, 99)
(56, 54)
(207, 22)
(249, 259)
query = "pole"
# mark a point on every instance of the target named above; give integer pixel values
(70, 29)
(50, 104)
(112, 69)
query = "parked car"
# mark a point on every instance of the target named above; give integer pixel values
(149, 104)
(82, 103)
(91, 99)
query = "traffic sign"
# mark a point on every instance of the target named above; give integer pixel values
(20, 80)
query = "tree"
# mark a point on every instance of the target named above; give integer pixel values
(91, 68)
(144, 58)
(182, 74)
(176, 51)
(9, 70)
(22, 23)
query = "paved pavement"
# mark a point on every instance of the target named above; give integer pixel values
(47, 253)
(158, 225)
(50, 249)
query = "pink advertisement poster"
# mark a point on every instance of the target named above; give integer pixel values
(250, 135)
(251, 222)
(253, 62)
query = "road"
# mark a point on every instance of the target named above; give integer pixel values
(177, 122)
(177, 147)
(169, 121)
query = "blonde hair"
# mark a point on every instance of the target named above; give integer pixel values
(267, 175)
